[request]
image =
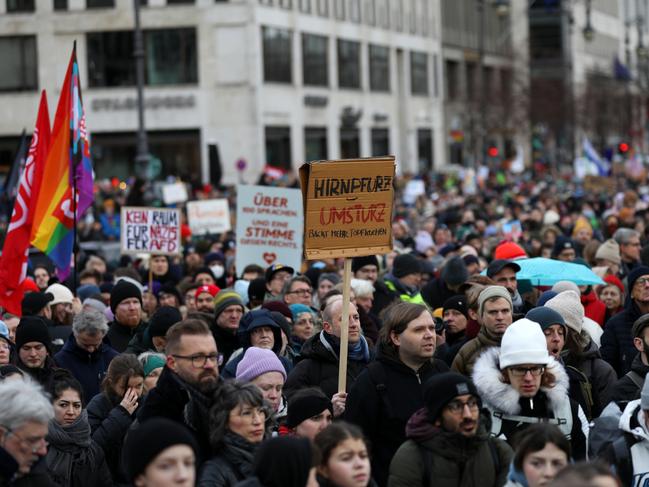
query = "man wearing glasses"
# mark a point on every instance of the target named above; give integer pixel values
(24, 416)
(188, 381)
(452, 417)
(298, 290)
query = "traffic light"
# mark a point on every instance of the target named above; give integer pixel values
(492, 151)
(623, 147)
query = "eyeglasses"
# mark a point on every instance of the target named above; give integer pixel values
(522, 371)
(199, 361)
(458, 406)
(34, 444)
(301, 292)
(642, 281)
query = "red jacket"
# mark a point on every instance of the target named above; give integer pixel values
(594, 308)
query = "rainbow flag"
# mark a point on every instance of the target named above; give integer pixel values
(68, 171)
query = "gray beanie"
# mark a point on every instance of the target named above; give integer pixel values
(609, 250)
(562, 286)
(568, 304)
(493, 292)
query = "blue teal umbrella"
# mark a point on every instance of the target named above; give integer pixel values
(546, 272)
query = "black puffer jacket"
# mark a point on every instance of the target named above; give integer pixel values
(232, 464)
(109, 423)
(318, 367)
(617, 343)
(119, 335)
(382, 400)
(625, 389)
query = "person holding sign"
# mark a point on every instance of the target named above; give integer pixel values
(319, 364)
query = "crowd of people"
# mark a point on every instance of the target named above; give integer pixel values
(160, 371)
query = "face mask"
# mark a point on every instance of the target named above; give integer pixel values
(218, 271)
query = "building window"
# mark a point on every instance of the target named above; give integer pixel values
(471, 85)
(178, 2)
(424, 150)
(315, 143)
(278, 146)
(380, 142)
(339, 9)
(369, 12)
(277, 55)
(397, 14)
(286, 4)
(19, 63)
(418, 73)
(170, 57)
(382, 14)
(20, 6)
(323, 8)
(305, 6)
(100, 3)
(350, 147)
(349, 64)
(452, 80)
(355, 11)
(379, 68)
(315, 50)
(60, 4)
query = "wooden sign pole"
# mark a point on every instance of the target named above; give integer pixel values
(344, 327)
(150, 276)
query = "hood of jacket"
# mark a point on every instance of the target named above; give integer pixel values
(243, 333)
(633, 420)
(502, 396)
(314, 349)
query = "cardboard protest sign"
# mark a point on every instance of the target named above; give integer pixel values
(208, 216)
(347, 207)
(174, 193)
(150, 230)
(269, 226)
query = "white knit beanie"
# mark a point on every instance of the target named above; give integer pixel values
(568, 305)
(609, 250)
(562, 286)
(523, 343)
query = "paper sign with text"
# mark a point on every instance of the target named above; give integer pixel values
(347, 207)
(269, 226)
(150, 230)
(208, 216)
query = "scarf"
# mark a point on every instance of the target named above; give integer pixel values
(359, 351)
(197, 409)
(239, 453)
(69, 445)
(517, 300)
(516, 476)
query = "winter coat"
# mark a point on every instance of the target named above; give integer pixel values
(175, 399)
(454, 342)
(383, 297)
(232, 463)
(59, 333)
(617, 343)
(507, 408)
(625, 389)
(636, 435)
(465, 359)
(8, 467)
(109, 424)
(141, 342)
(324, 482)
(318, 367)
(594, 308)
(409, 295)
(43, 376)
(120, 335)
(455, 460)
(381, 401)
(73, 459)
(435, 292)
(600, 374)
(88, 368)
(226, 341)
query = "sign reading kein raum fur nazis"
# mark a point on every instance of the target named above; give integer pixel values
(150, 230)
(347, 207)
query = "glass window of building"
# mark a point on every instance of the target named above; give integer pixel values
(100, 3)
(60, 4)
(418, 73)
(471, 82)
(277, 55)
(425, 150)
(20, 6)
(110, 58)
(350, 146)
(19, 63)
(452, 80)
(177, 2)
(369, 12)
(315, 143)
(339, 9)
(9, 146)
(355, 11)
(278, 146)
(315, 57)
(380, 142)
(171, 56)
(305, 6)
(349, 64)
(323, 8)
(379, 68)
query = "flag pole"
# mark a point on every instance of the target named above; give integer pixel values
(75, 176)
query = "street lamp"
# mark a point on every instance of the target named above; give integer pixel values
(142, 157)
(588, 30)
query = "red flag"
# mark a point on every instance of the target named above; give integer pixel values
(13, 262)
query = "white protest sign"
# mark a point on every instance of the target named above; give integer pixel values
(174, 193)
(150, 230)
(269, 226)
(208, 216)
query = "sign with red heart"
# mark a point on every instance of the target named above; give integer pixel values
(270, 257)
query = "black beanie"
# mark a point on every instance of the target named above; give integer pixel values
(163, 319)
(454, 271)
(305, 406)
(144, 443)
(33, 303)
(405, 264)
(546, 317)
(633, 276)
(123, 290)
(284, 461)
(442, 388)
(358, 262)
(257, 289)
(32, 329)
(457, 302)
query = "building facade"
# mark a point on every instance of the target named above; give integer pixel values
(252, 82)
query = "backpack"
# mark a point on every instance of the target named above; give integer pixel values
(585, 388)
(636, 378)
